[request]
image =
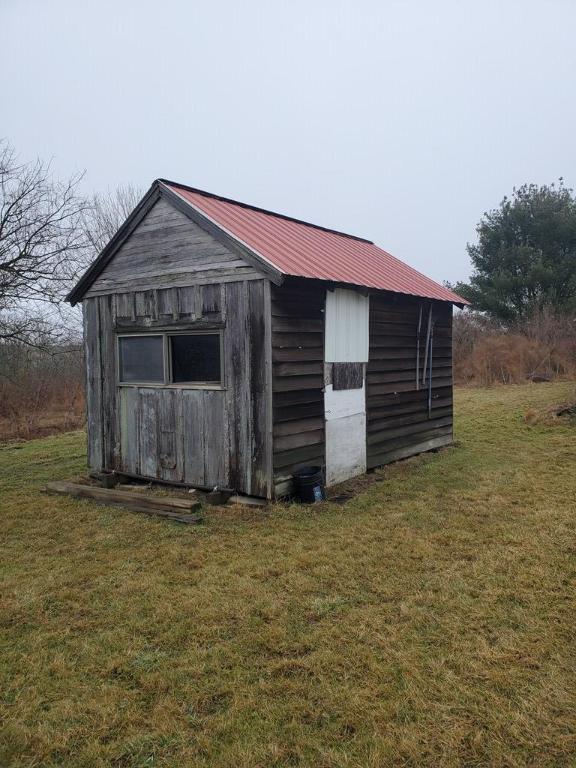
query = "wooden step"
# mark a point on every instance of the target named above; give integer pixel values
(180, 510)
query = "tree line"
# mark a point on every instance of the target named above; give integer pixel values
(522, 292)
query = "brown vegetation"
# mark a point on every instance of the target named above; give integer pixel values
(540, 349)
(41, 392)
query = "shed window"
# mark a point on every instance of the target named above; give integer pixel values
(195, 358)
(141, 358)
(170, 358)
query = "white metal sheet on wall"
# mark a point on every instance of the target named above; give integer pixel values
(343, 402)
(346, 341)
(346, 327)
(345, 448)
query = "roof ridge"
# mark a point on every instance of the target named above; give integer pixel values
(264, 210)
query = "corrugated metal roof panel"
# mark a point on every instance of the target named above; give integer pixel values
(300, 249)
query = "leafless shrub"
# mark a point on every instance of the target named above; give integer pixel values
(539, 348)
(41, 389)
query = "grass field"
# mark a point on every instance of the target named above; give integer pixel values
(430, 621)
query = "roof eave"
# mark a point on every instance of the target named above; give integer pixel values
(150, 198)
(456, 300)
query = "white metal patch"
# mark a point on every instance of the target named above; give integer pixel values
(346, 341)
(343, 402)
(346, 327)
(345, 448)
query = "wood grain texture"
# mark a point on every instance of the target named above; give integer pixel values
(95, 414)
(259, 392)
(173, 274)
(165, 249)
(193, 430)
(347, 375)
(297, 378)
(129, 459)
(200, 437)
(236, 354)
(177, 509)
(399, 423)
(214, 425)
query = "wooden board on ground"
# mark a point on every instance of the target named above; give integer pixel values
(180, 510)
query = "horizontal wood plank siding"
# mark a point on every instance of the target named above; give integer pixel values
(297, 379)
(168, 249)
(398, 422)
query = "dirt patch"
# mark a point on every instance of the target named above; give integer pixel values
(343, 492)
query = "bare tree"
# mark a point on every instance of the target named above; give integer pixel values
(107, 213)
(42, 242)
(49, 234)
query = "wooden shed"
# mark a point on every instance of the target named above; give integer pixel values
(227, 346)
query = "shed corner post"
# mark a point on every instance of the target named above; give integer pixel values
(93, 378)
(268, 390)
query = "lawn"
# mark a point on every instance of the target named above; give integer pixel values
(430, 621)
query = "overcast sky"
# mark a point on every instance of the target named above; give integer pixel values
(398, 120)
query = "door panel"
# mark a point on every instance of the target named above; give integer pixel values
(176, 435)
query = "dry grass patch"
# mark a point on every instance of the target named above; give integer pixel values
(427, 622)
(552, 414)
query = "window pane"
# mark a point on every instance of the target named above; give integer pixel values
(196, 358)
(141, 358)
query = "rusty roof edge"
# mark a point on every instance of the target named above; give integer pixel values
(264, 210)
(456, 300)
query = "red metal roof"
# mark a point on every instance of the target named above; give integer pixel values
(305, 250)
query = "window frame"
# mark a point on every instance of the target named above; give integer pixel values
(167, 360)
(193, 384)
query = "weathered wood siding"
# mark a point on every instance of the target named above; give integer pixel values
(203, 437)
(398, 422)
(268, 418)
(298, 378)
(164, 250)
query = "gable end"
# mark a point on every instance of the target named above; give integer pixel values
(166, 242)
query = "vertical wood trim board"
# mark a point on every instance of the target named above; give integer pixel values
(260, 392)
(269, 395)
(91, 318)
(237, 390)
